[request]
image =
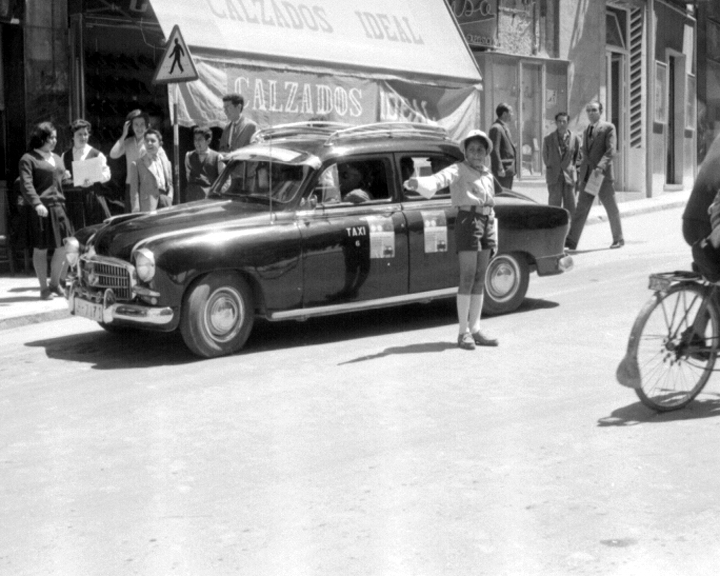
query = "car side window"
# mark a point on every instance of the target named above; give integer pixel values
(354, 181)
(419, 165)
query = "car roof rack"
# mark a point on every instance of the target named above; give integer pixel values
(309, 128)
(389, 130)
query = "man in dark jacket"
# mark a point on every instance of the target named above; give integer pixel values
(503, 155)
(696, 220)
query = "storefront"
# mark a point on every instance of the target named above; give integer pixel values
(329, 60)
(636, 57)
(515, 44)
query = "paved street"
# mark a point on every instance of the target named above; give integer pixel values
(364, 445)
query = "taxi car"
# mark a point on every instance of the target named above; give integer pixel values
(277, 238)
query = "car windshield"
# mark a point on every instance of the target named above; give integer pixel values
(262, 181)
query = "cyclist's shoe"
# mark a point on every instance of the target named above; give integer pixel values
(698, 347)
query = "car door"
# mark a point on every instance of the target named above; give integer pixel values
(354, 250)
(431, 242)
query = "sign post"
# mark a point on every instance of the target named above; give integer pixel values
(176, 65)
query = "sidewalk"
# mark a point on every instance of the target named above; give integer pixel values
(20, 302)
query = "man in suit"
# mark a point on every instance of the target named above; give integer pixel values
(240, 130)
(560, 154)
(503, 155)
(598, 149)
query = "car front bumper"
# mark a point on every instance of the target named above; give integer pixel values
(109, 311)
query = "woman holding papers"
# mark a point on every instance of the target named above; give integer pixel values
(472, 192)
(88, 169)
(41, 178)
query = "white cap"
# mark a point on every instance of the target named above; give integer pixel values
(478, 134)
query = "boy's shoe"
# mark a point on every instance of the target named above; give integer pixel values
(481, 340)
(46, 294)
(57, 290)
(466, 342)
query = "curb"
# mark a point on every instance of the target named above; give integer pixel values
(627, 211)
(19, 321)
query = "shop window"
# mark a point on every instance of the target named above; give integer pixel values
(531, 136)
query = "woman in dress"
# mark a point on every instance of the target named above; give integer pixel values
(94, 205)
(41, 177)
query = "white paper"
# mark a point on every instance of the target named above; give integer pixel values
(593, 184)
(87, 170)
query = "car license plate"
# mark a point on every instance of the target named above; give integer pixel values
(88, 310)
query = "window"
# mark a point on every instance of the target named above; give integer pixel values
(354, 181)
(419, 165)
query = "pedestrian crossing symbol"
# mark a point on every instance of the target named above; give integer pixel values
(177, 64)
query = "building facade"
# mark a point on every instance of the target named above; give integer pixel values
(92, 58)
(637, 57)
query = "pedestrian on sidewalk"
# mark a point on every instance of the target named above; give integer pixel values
(239, 131)
(202, 165)
(503, 155)
(132, 146)
(598, 149)
(46, 222)
(472, 193)
(92, 207)
(151, 184)
(561, 150)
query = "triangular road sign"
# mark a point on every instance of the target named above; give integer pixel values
(177, 64)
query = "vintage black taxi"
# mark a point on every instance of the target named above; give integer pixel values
(278, 238)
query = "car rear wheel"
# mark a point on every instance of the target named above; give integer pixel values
(506, 283)
(217, 315)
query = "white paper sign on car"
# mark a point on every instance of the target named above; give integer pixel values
(435, 230)
(382, 236)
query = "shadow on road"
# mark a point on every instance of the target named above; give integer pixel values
(134, 349)
(141, 349)
(410, 349)
(637, 413)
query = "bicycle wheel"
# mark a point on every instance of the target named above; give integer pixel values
(675, 353)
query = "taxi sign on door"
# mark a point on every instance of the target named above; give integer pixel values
(177, 64)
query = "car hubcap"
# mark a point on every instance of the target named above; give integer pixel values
(504, 278)
(224, 314)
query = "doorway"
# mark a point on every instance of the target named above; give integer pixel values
(616, 111)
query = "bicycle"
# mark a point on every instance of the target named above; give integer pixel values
(673, 343)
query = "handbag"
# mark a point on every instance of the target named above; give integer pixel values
(707, 259)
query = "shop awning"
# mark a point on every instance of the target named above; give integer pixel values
(332, 59)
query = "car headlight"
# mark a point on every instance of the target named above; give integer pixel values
(72, 251)
(145, 264)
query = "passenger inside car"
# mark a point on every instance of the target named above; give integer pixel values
(355, 182)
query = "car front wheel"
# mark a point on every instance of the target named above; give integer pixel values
(217, 315)
(506, 283)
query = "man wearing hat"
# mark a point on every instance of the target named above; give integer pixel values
(472, 193)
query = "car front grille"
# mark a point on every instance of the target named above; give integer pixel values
(99, 275)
